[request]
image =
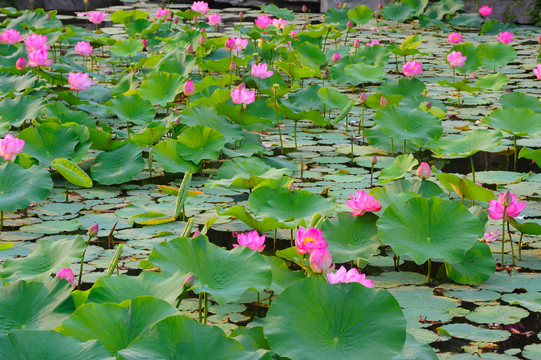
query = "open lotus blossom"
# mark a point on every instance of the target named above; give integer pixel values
(373, 42)
(308, 240)
(505, 37)
(260, 71)
(263, 21)
(39, 58)
(279, 23)
(335, 57)
(188, 88)
(215, 19)
(363, 202)
(485, 11)
(512, 210)
(79, 81)
(423, 171)
(321, 261)
(200, 7)
(251, 240)
(83, 48)
(343, 276)
(455, 38)
(537, 71)
(11, 36)
(240, 44)
(66, 274)
(36, 42)
(96, 17)
(412, 68)
(490, 236)
(10, 146)
(456, 59)
(241, 95)
(163, 13)
(21, 64)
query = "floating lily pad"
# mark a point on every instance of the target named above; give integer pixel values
(499, 314)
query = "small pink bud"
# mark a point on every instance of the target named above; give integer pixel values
(429, 105)
(188, 282)
(176, 21)
(93, 230)
(335, 57)
(424, 171)
(202, 40)
(241, 15)
(350, 24)
(66, 274)
(374, 160)
(382, 102)
(380, 6)
(340, 5)
(539, 39)
(363, 98)
(189, 49)
(144, 42)
(188, 88)
(291, 187)
(230, 44)
(507, 198)
(304, 9)
(232, 66)
(21, 64)
(357, 44)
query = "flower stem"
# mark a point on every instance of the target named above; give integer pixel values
(371, 175)
(511, 241)
(200, 316)
(206, 308)
(67, 189)
(392, 147)
(503, 231)
(520, 247)
(1, 220)
(295, 134)
(404, 146)
(472, 168)
(429, 271)
(515, 152)
(82, 263)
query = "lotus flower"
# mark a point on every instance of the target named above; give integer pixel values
(279, 23)
(412, 68)
(251, 240)
(321, 261)
(455, 59)
(373, 42)
(505, 37)
(362, 202)
(215, 19)
(66, 274)
(10, 146)
(263, 21)
(96, 17)
(163, 13)
(455, 38)
(93, 230)
(241, 95)
(39, 58)
(537, 72)
(83, 48)
(200, 7)
(423, 171)
(230, 44)
(188, 88)
(490, 236)
(335, 57)
(485, 11)
(308, 240)
(21, 64)
(11, 36)
(79, 81)
(240, 43)
(512, 210)
(260, 71)
(36, 42)
(343, 276)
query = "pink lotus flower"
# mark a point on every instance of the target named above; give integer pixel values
(513, 210)
(36, 42)
(79, 81)
(343, 276)
(240, 43)
(423, 171)
(251, 240)
(382, 101)
(188, 88)
(163, 13)
(241, 95)
(96, 17)
(230, 44)
(20, 64)
(144, 43)
(83, 48)
(412, 68)
(263, 21)
(309, 240)
(260, 71)
(39, 58)
(363, 97)
(279, 23)
(335, 57)
(455, 38)
(11, 36)
(357, 44)
(490, 236)
(294, 35)
(66, 274)
(505, 37)
(93, 230)
(485, 11)
(455, 59)
(362, 202)
(373, 42)
(537, 72)
(215, 19)
(200, 7)
(321, 261)
(10, 146)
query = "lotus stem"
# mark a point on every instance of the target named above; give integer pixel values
(181, 296)
(270, 298)
(429, 271)
(352, 138)
(291, 236)
(200, 316)
(371, 175)
(1, 220)
(295, 134)
(477, 5)
(278, 124)
(258, 303)
(511, 241)
(82, 263)
(515, 152)
(206, 308)
(392, 147)
(77, 103)
(472, 168)
(275, 233)
(503, 232)
(67, 189)
(520, 247)
(150, 164)
(404, 146)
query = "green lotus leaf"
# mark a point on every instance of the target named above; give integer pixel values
(444, 7)
(467, 145)
(131, 109)
(123, 322)
(127, 48)
(351, 237)
(496, 54)
(47, 258)
(339, 321)
(20, 187)
(177, 62)
(361, 73)
(499, 314)
(72, 173)
(282, 276)
(474, 333)
(473, 61)
(17, 82)
(307, 98)
(530, 228)
(404, 86)
(399, 12)
(126, 17)
(516, 121)
(400, 167)
(337, 16)
(467, 20)
(461, 85)
(465, 188)
(167, 155)
(414, 350)
(297, 72)
(476, 267)
(150, 136)
(402, 190)
(492, 81)
(360, 14)
(277, 12)
(529, 300)
(520, 100)
(119, 165)
(414, 125)
(494, 27)
(162, 88)
(261, 225)
(179, 337)
(371, 55)
(333, 98)
(16, 111)
(429, 228)
(40, 301)
(202, 115)
(223, 274)
(48, 345)
(200, 142)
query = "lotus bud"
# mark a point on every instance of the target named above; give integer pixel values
(304, 9)
(357, 44)
(241, 15)
(340, 5)
(303, 27)
(507, 198)
(350, 24)
(177, 121)
(202, 40)
(382, 102)
(424, 171)
(363, 98)
(275, 88)
(93, 230)
(321, 261)
(539, 39)
(335, 57)
(230, 44)
(188, 88)
(176, 21)
(232, 66)
(189, 49)
(324, 74)
(429, 105)
(374, 160)
(380, 6)
(21, 64)
(291, 187)
(188, 282)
